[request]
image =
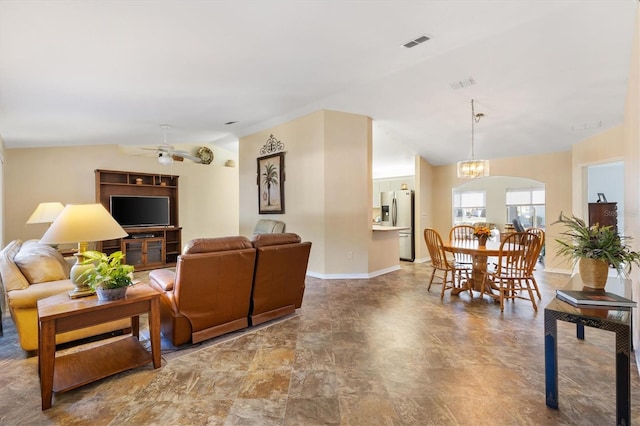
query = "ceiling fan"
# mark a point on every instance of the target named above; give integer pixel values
(167, 154)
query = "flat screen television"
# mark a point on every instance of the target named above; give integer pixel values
(131, 210)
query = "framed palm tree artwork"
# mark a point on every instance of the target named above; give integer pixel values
(271, 184)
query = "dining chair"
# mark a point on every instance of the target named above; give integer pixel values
(516, 259)
(540, 233)
(462, 232)
(440, 262)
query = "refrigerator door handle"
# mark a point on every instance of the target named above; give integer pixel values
(394, 212)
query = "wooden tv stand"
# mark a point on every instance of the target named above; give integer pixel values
(146, 247)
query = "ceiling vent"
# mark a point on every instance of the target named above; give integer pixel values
(416, 41)
(469, 81)
(586, 126)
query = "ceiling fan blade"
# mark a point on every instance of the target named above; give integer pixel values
(188, 156)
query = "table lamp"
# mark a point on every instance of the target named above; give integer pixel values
(82, 223)
(45, 213)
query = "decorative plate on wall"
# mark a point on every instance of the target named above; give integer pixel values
(205, 154)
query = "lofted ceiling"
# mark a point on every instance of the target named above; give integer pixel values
(546, 74)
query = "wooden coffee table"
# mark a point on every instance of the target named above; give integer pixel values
(58, 314)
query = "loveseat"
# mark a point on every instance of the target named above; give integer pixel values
(31, 271)
(226, 284)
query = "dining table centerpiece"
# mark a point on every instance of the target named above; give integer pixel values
(482, 233)
(109, 277)
(595, 248)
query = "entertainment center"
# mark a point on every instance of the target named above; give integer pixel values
(146, 206)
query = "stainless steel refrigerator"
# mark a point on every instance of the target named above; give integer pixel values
(397, 209)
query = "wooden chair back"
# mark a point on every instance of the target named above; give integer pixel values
(436, 251)
(518, 255)
(461, 232)
(539, 232)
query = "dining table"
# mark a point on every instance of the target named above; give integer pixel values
(479, 255)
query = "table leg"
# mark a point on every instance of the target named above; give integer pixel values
(46, 360)
(135, 326)
(479, 272)
(551, 359)
(623, 374)
(154, 331)
(580, 331)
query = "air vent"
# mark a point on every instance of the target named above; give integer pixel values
(416, 41)
(586, 126)
(469, 81)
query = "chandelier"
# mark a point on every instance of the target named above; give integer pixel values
(473, 168)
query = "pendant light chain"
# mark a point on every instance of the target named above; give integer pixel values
(473, 119)
(473, 168)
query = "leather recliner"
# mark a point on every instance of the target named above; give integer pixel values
(268, 226)
(279, 277)
(208, 294)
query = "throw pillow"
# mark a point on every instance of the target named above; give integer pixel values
(12, 277)
(41, 263)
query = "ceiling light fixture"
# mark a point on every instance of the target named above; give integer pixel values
(473, 168)
(165, 158)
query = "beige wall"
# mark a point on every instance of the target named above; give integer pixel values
(208, 193)
(327, 188)
(2, 194)
(605, 147)
(554, 170)
(424, 206)
(631, 137)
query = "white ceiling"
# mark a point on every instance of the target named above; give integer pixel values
(547, 73)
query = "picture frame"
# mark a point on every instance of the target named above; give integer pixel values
(271, 184)
(601, 198)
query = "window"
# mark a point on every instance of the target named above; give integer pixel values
(526, 205)
(469, 207)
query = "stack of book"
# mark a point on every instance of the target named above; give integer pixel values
(594, 299)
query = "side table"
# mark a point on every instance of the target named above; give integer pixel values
(615, 319)
(57, 314)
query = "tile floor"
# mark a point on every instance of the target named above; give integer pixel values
(380, 351)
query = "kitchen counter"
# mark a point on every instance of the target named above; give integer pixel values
(389, 228)
(384, 251)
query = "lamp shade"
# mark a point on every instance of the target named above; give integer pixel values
(45, 213)
(473, 169)
(83, 223)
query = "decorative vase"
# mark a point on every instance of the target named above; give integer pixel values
(482, 240)
(111, 293)
(594, 272)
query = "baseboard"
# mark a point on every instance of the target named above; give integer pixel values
(354, 276)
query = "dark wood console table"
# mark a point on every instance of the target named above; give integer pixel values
(616, 319)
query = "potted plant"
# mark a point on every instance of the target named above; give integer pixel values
(109, 278)
(594, 248)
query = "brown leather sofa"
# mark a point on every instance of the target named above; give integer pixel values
(278, 282)
(209, 293)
